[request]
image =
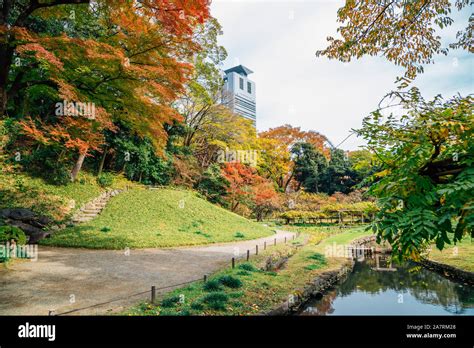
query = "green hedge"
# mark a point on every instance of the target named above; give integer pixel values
(9, 233)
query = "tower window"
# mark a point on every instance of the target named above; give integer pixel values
(249, 87)
(241, 83)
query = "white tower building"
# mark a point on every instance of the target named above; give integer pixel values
(242, 92)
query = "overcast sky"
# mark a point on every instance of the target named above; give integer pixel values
(278, 41)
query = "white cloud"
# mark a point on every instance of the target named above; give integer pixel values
(278, 41)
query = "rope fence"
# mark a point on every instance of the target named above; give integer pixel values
(154, 289)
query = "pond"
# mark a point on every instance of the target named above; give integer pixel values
(378, 287)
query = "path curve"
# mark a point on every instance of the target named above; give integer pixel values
(96, 276)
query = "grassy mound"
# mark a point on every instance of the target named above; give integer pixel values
(143, 218)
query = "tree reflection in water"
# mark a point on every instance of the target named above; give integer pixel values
(410, 289)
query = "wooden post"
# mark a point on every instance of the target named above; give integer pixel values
(264, 245)
(248, 255)
(285, 240)
(233, 262)
(153, 294)
(275, 242)
(256, 250)
(205, 278)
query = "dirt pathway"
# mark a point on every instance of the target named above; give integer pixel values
(63, 279)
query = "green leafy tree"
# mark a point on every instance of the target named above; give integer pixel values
(316, 173)
(203, 97)
(363, 163)
(425, 187)
(310, 164)
(136, 157)
(338, 176)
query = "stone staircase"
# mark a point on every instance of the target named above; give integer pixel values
(93, 208)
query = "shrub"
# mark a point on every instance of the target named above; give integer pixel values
(213, 185)
(319, 261)
(247, 267)
(60, 176)
(239, 235)
(105, 229)
(230, 281)
(318, 257)
(105, 180)
(216, 301)
(203, 234)
(170, 301)
(212, 285)
(236, 294)
(45, 163)
(7, 233)
(198, 306)
(243, 273)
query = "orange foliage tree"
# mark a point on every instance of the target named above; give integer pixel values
(246, 187)
(132, 69)
(275, 160)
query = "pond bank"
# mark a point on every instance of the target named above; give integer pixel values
(449, 272)
(326, 280)
(376, 286)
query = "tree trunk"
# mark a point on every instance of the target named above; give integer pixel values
(102, 161)
(3, 102)
(288, 182)
(6, 56)
(234, 206)
(77, 167)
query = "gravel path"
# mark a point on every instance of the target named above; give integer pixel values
(64, 279)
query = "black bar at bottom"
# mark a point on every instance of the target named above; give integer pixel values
(225, 331)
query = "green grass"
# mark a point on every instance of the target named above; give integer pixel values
(143, 218)
(258, 291)
(19, 190)
(460, 255)
(343, 238)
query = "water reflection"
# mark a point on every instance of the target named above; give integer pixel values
(377, 287)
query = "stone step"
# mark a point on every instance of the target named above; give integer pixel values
(98, 203)
(81, 220)
(88, 215)
(92, 209)
(94, 206)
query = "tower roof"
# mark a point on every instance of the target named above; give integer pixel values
(239, 69)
